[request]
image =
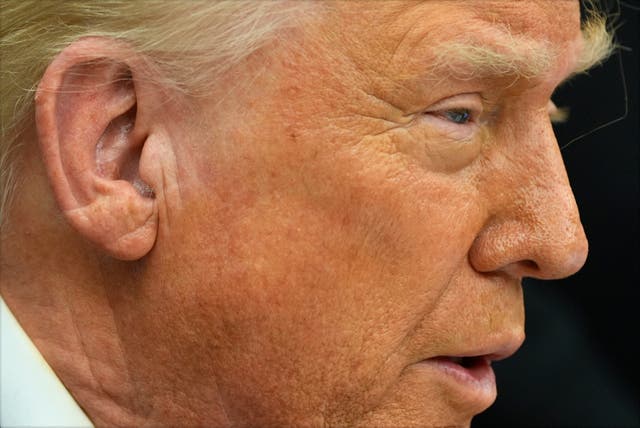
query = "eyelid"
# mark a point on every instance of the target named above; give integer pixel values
(470, 101)
(442, 126)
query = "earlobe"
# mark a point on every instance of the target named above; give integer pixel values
(91, 142)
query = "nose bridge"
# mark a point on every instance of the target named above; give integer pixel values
(556, 240)
(535, 229)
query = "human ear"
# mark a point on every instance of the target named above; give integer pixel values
(92, 134)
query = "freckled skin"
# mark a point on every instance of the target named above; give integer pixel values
(327, 238)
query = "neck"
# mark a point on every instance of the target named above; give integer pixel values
(66, 314)
(110, 334)
(82, 313)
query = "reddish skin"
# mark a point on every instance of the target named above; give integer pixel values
(307, 254)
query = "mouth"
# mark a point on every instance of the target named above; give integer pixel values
(469, 375)
(466, 379)
(473, 371)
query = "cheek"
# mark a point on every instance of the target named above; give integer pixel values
(437, 151)
(313, 263)
(321, 283)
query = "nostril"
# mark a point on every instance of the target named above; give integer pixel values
(530, 265)
(525, 268)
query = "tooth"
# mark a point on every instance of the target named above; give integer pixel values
(457, 360)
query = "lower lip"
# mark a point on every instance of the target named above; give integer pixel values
(473, 384)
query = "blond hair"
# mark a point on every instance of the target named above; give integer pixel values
(190, 41)
(523, 56)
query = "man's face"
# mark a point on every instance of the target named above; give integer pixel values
(352, 217)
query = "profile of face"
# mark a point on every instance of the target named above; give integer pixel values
(357, 219)
(340, 237)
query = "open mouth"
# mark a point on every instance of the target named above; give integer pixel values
(467, 362)
(470, 370)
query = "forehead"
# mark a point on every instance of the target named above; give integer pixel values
(547, 18)
(554, 18)
(404, 33)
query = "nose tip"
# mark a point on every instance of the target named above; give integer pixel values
(578, 257)
(574, 262)
(543, 246)
(558, 257)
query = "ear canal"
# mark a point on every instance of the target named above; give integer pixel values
(118, 153)
(114, 155)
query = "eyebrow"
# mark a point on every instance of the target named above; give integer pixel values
(520, 56)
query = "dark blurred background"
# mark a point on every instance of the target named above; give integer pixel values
(579, 364)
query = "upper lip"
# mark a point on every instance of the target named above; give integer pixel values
(493, 350)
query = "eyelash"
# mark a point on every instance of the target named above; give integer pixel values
(463, 116)
(458, 116)
(459, 111)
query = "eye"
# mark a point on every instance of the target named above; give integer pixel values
(447, 134)
(459, 110)
(458, 116)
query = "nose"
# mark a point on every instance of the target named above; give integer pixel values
(533, 227)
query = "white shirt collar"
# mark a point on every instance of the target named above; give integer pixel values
(30, 392)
